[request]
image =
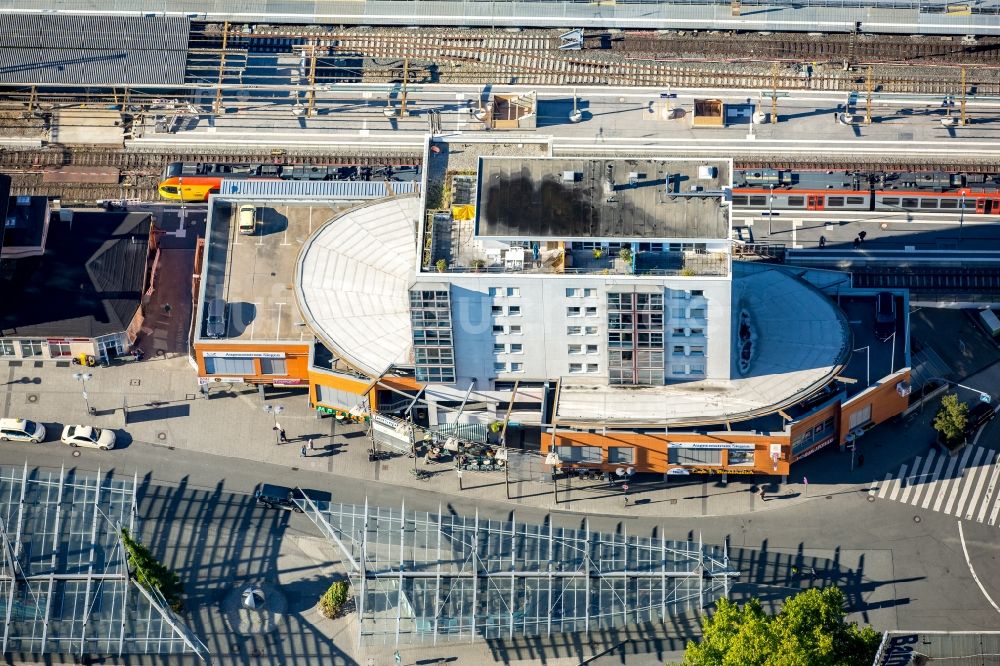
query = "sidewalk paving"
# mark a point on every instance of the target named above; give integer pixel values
(165, 408)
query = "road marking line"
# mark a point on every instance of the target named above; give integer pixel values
(886, 482)
(909, 486)
(872, 488)
(932, 487)
(945, 483)
(969, 482)
(900, 479)
(922, 478)
(965, 551)
(957, 481)
(977, 493)
(995, 511)
(989, 490)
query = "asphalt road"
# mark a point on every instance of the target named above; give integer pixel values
(899, 566)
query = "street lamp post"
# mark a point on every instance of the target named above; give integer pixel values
(961, 216)
(770, 210)
(868, 363)
(83, 378)
(274, 410)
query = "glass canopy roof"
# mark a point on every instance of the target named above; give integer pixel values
(422, 577)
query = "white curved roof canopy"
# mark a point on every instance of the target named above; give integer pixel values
(352, 283)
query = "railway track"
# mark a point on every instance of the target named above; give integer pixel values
(678, 60)
(140, 170)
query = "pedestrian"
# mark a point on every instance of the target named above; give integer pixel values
(302, 451)
(861, 236)
(861, 460)
(626, 500)
(311, 446)
(762, 493)
(857, 242)
(822, 242)
(281, 435)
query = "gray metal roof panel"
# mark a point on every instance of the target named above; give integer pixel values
(324, 189)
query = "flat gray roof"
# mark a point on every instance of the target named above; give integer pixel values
(254, 273)
(616, 199)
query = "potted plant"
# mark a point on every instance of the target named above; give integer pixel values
(441, 265)
(598, 253)
(625, 254)
(477, 264)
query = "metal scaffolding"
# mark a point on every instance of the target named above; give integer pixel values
(64, 579)
(421, 577)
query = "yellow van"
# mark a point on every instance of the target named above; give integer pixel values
(247, 219)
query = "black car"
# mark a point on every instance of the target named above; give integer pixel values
(278, 497)
(980, 414)
(885, 315)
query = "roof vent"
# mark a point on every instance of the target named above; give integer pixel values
(707, 172)
(570, 176)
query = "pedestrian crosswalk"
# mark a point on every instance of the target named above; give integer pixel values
(966, 485)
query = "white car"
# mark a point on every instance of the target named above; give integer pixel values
(21, 430)
(95, 438)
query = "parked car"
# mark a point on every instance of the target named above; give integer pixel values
(89, 436)
(216, 315)
(247, 218)
(21, 430)
(885, 315)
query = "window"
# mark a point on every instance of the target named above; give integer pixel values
(697, 369)
(515, 329)
(796, 202)
(273, 366)
(31, 348)
(861, 417)
(573, 312)
(579, 454)
(757, 200)
(697, 331)
(949, 203)
(513, 292)
(499, 367)
(677, 369)
(589, 293)
(497, 329)
(909, 203)
(58, 349)
(855, 201)
(573, 293)
(835, 202)
(499, 348)
(590, 330)
(233, 367)
(678, 331)
(497, 310)
(575, 368)
(890, 201)
(697, 350)
(591, 349)
(740, 458)
(676, 456)
(697, 292)
(591, 312)
(517, 348)
(928, 203)
(678, 350)
(493, 292)
(6, 348)
(517, 367)
(514, 311)
(592, 368)
(697, 313)
(574, 330)
(575, 349)
(621, 455)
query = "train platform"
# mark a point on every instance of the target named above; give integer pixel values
(873, 16)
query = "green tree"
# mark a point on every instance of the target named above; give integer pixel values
(951, 418)
(151, 573)
(333, 600)
(808, 631)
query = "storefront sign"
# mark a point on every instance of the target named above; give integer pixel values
(814, 448)
(243, 354)
(287, 382)
(719, 470)
(678, 471)
(712, 446)
(202, 381)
